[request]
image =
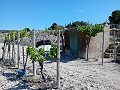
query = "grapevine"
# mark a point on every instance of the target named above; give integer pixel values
(40, 56)
(9, 38)
(24, 33)
(53, 52)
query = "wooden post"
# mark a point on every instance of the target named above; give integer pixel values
(14, 49)
(34, 66)
(13, 58)
(18, 49)
(9, 50)
(22, 39)
(58, 60)
(114, 46)
(4, 50)
(103, 48)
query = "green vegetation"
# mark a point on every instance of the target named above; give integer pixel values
(53, 52)
(90, 30)
(10, 39)
(40, 56)
(115, 17)
(24, 33)
(76, 23)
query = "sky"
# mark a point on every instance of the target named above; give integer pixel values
(39, 14)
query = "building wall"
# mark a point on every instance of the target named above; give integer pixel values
(67, 41)
(81, 45)
(95, 46)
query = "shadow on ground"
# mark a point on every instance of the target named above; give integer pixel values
(12, 77)
(20, 86)
(65, 58)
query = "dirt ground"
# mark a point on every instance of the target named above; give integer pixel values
(78, 74)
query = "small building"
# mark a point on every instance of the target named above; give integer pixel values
(76, 43)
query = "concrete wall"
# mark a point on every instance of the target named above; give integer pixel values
(95, 46)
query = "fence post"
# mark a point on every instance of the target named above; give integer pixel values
(103, 48)
(18, 49)
(114, 45)
(34, 66)
(9, 49)
(58, 60)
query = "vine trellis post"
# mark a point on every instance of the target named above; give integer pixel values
(18, 49)
(9, 47)
(114, 38)
(34, 66)
(103, 48)
(58, 60)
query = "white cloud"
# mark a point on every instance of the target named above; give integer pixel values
(79, 11)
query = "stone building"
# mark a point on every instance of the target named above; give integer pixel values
(75, 43)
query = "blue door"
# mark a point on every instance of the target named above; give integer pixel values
(73, 42)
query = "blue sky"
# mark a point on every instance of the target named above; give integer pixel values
(38, 14)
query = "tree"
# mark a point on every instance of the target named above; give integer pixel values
(74, 24)
(27, 29)
(55, 26)
(115, 17)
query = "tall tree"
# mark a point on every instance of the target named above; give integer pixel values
(115, 17)
(27, 29)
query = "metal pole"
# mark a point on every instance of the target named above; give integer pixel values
(34, 66)
(103, 48)
(114, 46)
(18, 49)
(58, 61)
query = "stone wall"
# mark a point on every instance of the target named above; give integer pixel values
(95, 46)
